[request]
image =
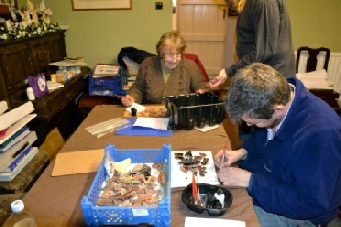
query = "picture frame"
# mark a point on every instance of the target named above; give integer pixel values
(101, 5)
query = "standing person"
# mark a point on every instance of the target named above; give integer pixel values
(290, 164)
(167, 74)
(263, 35)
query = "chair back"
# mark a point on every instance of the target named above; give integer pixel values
(312, 57)
(195, 58)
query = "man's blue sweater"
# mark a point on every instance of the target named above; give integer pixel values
(298, 173)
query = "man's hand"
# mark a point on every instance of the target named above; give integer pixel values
(127, 101)
(218, 80)
(234, 177)
(229, 158)
(200, 91)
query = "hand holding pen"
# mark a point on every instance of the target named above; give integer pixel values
(223, 156)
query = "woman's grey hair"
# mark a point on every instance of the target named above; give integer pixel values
(255, 91)
(172, 39)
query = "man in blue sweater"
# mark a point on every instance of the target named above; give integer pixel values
(291, 162)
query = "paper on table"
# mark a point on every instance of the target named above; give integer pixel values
(77, 162)
(154, 123)
(192, 221)
(181, 179)
(138, 107)
(206, 128)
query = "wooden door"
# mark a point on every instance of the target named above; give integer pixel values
(203, 24)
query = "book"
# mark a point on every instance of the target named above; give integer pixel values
(16, 127)
(6, 177)
(18, 159)
(16, 137)
(10, 158)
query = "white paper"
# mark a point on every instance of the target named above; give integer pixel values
(154, 123)
(138, 107)
(69, 63)
(51, 85)
(206, 128)
(315, 80)
(194, 222)
(181, 179)
(14, 115)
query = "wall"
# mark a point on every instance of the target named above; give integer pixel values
(315, 23)
(99, 35)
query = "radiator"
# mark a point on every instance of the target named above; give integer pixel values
(334, 67)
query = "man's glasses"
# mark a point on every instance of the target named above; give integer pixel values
(172, 56)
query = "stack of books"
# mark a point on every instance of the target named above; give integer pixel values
(16, 139)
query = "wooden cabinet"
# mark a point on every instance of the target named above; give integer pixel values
(25, 57)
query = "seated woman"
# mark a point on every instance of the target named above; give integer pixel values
(167, 74)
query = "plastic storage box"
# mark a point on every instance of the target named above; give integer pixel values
(107, 85)
(158, 216)
(194, 110)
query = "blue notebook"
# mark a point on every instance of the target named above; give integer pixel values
(142, 131)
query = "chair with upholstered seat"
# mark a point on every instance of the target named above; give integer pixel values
(329, 96)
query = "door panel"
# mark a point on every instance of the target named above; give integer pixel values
(203, 24)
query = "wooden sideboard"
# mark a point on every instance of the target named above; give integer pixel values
(27, 56)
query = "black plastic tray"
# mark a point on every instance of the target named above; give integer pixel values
(194, 110)
(205, 189)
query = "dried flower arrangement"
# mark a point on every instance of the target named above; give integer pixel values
(33, 20)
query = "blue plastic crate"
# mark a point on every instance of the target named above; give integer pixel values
(158, 216)
(106, 86)
(110, 81)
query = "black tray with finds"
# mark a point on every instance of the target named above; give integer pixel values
(194, 110)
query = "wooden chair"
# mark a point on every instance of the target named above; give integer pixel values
(312, 57)
(328, 96)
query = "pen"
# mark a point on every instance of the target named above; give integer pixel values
(224, 153)
(194, 190)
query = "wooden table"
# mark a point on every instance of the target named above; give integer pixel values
(55, 201)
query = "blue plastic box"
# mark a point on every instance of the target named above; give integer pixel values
(106, 86)
(158, 216)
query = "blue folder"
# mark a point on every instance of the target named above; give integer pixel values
(142, 131)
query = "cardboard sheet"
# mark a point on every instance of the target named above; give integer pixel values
(77, 162)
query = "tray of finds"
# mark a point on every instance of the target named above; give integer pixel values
(131, 187)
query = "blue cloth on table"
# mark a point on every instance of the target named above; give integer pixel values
(142, 131)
